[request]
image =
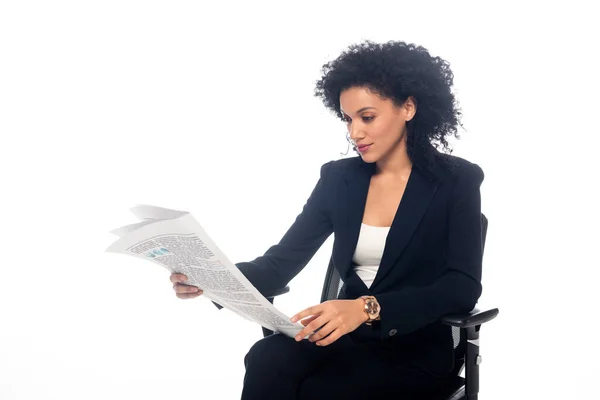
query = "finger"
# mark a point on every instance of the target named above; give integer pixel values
(175, 278)
(324, 331)
(188, 295)
(181, 288)
(308, 312)
(311, 327)
(308, 320)
(335, 335)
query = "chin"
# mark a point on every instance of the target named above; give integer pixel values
(368, 158)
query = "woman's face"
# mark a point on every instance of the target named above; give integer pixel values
(376, 125)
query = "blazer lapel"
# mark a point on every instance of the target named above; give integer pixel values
(415, 200)
(414, 203)
(352, 205)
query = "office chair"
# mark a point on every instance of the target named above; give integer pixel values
(465, 332)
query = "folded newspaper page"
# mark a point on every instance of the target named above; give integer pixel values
(175, 240)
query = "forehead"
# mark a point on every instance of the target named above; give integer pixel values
(355, 98)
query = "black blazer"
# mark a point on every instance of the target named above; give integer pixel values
(431, 264)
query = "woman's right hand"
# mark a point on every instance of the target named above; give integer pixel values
(182, 290)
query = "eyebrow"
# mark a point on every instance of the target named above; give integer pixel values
(359, 111)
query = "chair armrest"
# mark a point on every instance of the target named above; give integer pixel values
(473, 318)
(269, 297)
(278, 292)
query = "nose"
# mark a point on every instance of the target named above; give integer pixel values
(354, 133)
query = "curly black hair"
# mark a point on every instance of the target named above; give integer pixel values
(396, 70)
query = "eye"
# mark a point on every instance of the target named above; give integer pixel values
(365, 119)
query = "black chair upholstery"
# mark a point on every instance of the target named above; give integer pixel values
(465, 332)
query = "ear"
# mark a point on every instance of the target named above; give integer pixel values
(410, 108)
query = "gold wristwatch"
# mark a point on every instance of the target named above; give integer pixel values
(372, 308)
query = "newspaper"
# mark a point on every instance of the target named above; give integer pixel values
(175, 240)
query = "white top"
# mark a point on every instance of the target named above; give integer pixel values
(369, 250)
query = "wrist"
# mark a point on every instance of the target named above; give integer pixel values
(361, 308)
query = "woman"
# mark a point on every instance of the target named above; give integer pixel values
(406, 219)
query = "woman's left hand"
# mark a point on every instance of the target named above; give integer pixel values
(336, 317)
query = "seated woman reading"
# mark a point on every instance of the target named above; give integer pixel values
(406, 218)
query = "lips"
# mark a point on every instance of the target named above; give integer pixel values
(363, 147)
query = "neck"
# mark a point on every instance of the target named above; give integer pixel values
(396, 163)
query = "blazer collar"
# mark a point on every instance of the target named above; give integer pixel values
(416, 198)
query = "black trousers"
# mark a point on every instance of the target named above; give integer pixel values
(278, 367)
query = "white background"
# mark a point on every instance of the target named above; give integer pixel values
(209, 108)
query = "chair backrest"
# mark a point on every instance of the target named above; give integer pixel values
(333, 285)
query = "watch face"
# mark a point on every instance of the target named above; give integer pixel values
(372, 307)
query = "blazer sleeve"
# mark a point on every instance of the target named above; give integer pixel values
(459, 288)
(283, 261)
